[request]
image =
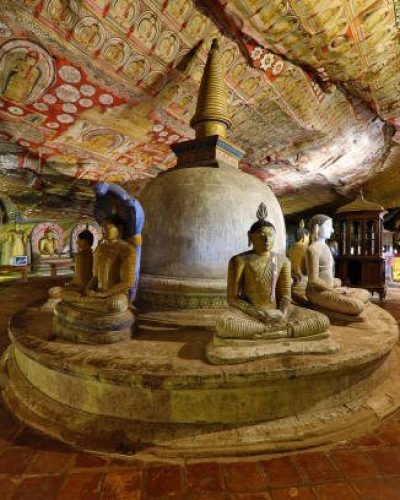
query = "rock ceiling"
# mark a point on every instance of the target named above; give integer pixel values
(99, 89)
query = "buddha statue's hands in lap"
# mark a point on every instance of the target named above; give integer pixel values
(259, 293)
(324, 291)
(113, 274)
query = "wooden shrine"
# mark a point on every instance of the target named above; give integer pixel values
(360, 262)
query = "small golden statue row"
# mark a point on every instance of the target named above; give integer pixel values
(261, 314)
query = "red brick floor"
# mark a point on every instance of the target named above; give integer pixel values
(34, 467)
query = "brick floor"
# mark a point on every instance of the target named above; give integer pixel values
(35, 467)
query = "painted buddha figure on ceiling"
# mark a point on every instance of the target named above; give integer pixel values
(23, 74)
(60, 11)
(324, 291)
(259, 295)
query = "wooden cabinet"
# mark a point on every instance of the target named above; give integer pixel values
(360, 262)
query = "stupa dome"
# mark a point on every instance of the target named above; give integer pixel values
(196, 220)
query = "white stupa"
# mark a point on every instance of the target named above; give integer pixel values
(198, 213)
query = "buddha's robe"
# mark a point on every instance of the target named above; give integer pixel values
(324, 291)
(263, 286)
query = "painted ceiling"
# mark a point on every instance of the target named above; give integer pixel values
(98, 90)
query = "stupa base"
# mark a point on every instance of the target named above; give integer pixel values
(168, 293)
(156, 394)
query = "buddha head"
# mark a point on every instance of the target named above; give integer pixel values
(48, 235)
(85, 240)
(262, 233)
(112, 228)
(302, 234)
(321, 227)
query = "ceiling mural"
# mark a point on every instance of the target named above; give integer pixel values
(99, 89)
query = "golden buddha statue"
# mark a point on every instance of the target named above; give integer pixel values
(324, 291)
(297, 255)
(83, 261)
(82, 276)
(259, 294)
(13, 243)
(48, 246)
(96, 310)
(113, 267)
(112, 275)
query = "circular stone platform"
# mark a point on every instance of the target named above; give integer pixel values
(157, 394)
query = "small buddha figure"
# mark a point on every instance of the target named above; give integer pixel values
(298, 255)
(114, 53)
(22, 77)
(82, 276)
(147, 28)
(123, 10)
(83, 261)
(89, 36)
(13, 243)
(260, 298)
(60, 11)
(48, 246)
(324, 291)
(18, 242)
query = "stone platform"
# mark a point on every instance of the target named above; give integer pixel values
(157, 394)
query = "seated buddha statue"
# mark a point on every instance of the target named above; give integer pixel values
(298, 261)
(82, 275)
(48, 246)
(297, 255)
(100, 305)
(259, 296)
(324, 291)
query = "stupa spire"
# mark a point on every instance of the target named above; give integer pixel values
(211, 116)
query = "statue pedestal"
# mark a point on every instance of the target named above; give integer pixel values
(222, 351)
(156, 394)
(77, 324)
(43, 265)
